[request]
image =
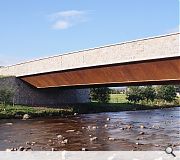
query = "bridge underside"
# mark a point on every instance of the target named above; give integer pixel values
(162, 71)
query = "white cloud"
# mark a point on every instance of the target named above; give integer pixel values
(61, 25)
(67, 14)
(66, 19)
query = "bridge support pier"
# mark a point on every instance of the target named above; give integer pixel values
(28, 95)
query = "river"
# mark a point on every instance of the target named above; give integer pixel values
(125, 131)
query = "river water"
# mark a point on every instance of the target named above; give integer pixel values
(125, 131)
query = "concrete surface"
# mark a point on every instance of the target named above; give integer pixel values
(144, 49)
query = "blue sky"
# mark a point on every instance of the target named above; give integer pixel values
(40, 28)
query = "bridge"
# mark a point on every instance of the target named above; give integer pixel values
(154, 60)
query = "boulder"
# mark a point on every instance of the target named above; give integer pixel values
(26, 116)
(84, 149)
(93, 139)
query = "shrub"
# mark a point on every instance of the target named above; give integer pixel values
(149, 93)
(6, 96)
(101, 95)
(135, 94)
(166, 93)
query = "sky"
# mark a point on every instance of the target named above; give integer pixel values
(39, 28)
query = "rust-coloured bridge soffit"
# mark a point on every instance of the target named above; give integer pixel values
(160, 71)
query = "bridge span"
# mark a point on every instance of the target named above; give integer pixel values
(154, 60)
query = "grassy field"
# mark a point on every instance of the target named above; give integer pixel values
(121, 98)
(118, 98)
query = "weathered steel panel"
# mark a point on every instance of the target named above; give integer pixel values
(164, 70)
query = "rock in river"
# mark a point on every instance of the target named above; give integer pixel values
(11, 149)
(65, 141)
(141, 133)
(111, 139)
(26, 116)
(105, 125)
(71, 130)
(84, 149)
(93, 139)
(9, 124)
(141, 126)
(108, 119)
(21, 148)
(94, 127)
(129, 126)
(59, 136)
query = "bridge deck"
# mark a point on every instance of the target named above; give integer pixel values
(139, 50)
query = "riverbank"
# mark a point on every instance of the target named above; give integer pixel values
(18, 111)
(116, 107)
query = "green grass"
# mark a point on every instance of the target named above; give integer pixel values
(18, 111)
(118, 98)
(1, 76)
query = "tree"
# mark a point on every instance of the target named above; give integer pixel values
(149, 93)
(134, 94)
(177, 87)
(102, 95)
(166, 92)
(6, 96)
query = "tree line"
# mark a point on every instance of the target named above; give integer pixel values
(136, 94)
(164, 93)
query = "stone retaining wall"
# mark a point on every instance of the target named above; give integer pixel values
(28, 95)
